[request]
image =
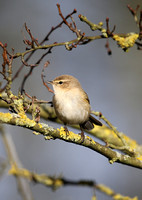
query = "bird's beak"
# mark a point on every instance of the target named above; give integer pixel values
(50, 82)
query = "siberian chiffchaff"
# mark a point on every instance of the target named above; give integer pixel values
(71, 103)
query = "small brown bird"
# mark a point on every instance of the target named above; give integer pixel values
(71, 103)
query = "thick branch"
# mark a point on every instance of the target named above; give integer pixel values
(104, 133)
(51, 133)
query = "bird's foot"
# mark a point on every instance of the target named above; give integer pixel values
(82, 136)
(66, 130)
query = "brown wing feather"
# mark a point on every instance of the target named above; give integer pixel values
(95, 121)
(86, 97)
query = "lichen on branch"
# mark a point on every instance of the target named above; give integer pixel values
(58, 182)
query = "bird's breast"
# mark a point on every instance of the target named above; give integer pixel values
(71, 109)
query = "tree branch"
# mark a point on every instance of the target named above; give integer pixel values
(57, 182)
(22, 184)
(51, 133)
(104, 133)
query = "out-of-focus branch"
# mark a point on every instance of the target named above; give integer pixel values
(134, 12)
(127, 146)
(23, 185)
(57, 182)
(3, 166)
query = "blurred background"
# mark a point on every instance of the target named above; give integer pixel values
(113, 84)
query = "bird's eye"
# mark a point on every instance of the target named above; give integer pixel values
(60, 82)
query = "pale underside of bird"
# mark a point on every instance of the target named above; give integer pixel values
(71, 103)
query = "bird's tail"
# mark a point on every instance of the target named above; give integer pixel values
(88, 125)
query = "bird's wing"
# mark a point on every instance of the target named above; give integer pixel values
(94, 120)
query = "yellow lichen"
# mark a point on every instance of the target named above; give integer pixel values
(119, 196)
(41, 178)
(139, 158)
(20, 119)
(18, 103)
(110, 192)
(21, 172)
(94, 197)
(105, 189)
(12, 170)
(126, 42)
(58, 183)
(132, 143)
(69, 136)
(100, 24)
(36, 133)
(111, 161)
(104, 33)
(40, 125)
(90, 139)
(6, 117)
(25, 121)
(48, 137)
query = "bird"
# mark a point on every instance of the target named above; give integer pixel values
(71, 104)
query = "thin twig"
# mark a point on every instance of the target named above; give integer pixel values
(120, 135)
(42, 77)
(42, 42)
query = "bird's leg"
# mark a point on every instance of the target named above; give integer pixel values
(66, 130)
(82, 134)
